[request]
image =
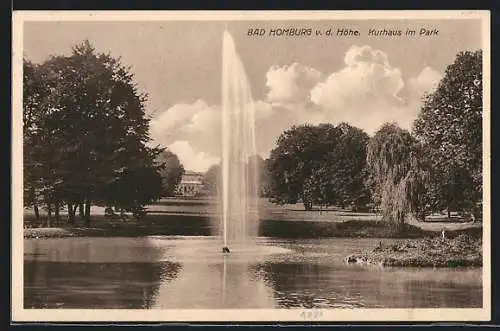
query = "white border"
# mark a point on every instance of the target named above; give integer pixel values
(19, 314)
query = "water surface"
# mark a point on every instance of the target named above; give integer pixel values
(191, 272)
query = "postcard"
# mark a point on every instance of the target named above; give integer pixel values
(241, 166)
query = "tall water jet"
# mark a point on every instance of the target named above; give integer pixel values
(239, 173)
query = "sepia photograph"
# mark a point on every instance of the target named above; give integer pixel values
(251, 166)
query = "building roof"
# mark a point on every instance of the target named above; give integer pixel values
(191, 182)
(192, 173)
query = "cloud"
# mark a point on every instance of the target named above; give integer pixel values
(280, 118)
(168, 125)
(194, 130)
(197, 123)
(424, 82)
(290, 84)
(287, 103)
(366, 92)
(192, 159)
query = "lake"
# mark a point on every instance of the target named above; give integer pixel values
(191, 272)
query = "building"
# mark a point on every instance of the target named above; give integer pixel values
(191, 184)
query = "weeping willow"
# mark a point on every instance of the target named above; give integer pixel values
(397, 169)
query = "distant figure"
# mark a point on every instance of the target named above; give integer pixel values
(225, 249)
(443, 236)
(379, 247)
(109, 212)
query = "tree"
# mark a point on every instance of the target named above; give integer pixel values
(91, 131)
(258, 174)
(339, 176)
(139, 182)
(299, 153)
(212, 180)
(449, 127)
(323, 165)
(171, 172)
(40, 163)
(264, 178)
(32, 95)
(347, 168)
(395, 164)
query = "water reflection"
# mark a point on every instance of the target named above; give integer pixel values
(94, 273)
(94, 285)
(336, 286)
(226, 284)
(165, 272)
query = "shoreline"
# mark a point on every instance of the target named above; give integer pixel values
(268, 228)
(415, 247)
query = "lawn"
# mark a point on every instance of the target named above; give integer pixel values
(199, 217)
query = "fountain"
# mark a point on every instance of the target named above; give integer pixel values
(239, 175)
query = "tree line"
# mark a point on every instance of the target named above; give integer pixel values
(86, 142)
(436, 167)
(85, 138)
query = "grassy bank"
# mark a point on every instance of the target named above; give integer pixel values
(355, 229)
(157, 224)
(198, 218)
(187, 225)
(460, 251)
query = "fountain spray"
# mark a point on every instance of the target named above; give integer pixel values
(239, 181)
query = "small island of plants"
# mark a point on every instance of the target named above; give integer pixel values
(461, 251)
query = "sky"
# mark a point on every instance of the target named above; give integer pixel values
(365, 81)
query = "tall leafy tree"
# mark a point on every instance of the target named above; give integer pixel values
(394, 161)
(212, 180)
(323, 165)
(32, 168)
(347, 168)
(171, 172)
(264, 178)
(92, 132)
(450, 128)
(258, 174)
(299, 153)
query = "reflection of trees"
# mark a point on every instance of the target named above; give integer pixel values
(430, 293)
(241, 290)
(223, 284)
(94, 285)
(295, 284)
(310, 285)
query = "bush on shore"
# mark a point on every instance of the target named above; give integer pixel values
(460, 251)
